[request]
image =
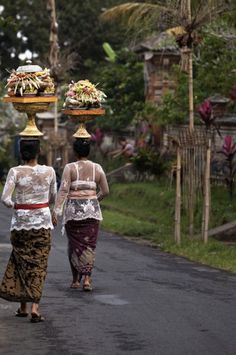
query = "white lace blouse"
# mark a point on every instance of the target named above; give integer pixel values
(30, 185)
(78, 198)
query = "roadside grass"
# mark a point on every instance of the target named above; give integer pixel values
(146, 211)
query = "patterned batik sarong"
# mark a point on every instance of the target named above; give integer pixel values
(27, 267)
(82, 239)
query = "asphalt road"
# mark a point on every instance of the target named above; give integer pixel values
(144, 302)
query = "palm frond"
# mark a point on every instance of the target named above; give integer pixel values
(209, 11)
(139, 14)
(222, 29)
(143, 18)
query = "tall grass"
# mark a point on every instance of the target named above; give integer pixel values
(146, 211)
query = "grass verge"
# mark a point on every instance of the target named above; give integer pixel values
(146, 211)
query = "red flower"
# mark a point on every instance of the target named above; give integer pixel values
(229, 148)
(233, 93)
(205, 112)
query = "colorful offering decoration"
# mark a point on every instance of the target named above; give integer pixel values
(84, 95)
(30, 90)
(84, 101)
(30, 80)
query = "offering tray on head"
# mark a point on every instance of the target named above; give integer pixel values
(30, 106)
(83, 115)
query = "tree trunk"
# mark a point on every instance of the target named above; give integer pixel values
(54, 51)
(53, 39)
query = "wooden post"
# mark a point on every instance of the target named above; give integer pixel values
(55, 119)
(49, 155)
(207, 184)
(178, 199)
(192, 191)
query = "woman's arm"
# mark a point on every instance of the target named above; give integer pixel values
(63, 191)
(102, 184)
(53, 190)
(8, 190)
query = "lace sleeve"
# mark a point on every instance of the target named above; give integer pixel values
(8, 190)
(102, 183)
(53, 189)
(63, 191)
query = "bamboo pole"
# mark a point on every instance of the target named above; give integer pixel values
(204, 203)
(55, 119)
(206, 209)
(190, 74)
(178, 199)
(191, 128)
(190, 83)
(191, 192)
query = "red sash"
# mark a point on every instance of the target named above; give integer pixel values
(19, 206)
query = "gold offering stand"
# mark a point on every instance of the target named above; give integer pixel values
(31, 106)
(83, 116)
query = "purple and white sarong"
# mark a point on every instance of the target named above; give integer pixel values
(82, 240)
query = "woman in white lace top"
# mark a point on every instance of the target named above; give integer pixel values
(83, 185)
(34, 188)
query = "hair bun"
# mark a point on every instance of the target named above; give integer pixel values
(86, 142)
(26, 154)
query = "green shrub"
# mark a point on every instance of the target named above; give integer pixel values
(149, 160)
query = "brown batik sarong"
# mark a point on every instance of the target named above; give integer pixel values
(82, 239)
(27, 267)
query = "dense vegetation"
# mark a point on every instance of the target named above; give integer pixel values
(82, 34)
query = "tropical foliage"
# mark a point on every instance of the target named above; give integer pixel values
(148, 161)
(229, 151)
(80, 33)
(122, 81)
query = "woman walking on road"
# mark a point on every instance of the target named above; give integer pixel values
(35, 191)
(82, 213)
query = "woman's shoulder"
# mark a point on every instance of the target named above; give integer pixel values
(69, 165)
(98, 168)
(45, 168)
(15, 169)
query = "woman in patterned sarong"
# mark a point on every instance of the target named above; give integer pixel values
(35, 190)
(82, 214)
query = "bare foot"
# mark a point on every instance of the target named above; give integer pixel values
(87, 283)
(23, 307)
(75, 284)
(35, 308)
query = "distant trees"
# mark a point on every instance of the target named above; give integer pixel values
(25, 25)
(123, 83)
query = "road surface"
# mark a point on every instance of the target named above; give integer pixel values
(144, 302)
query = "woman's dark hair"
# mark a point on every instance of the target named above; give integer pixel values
(29, 149)
(81, 147)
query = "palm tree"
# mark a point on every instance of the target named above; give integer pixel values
(182, 18)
